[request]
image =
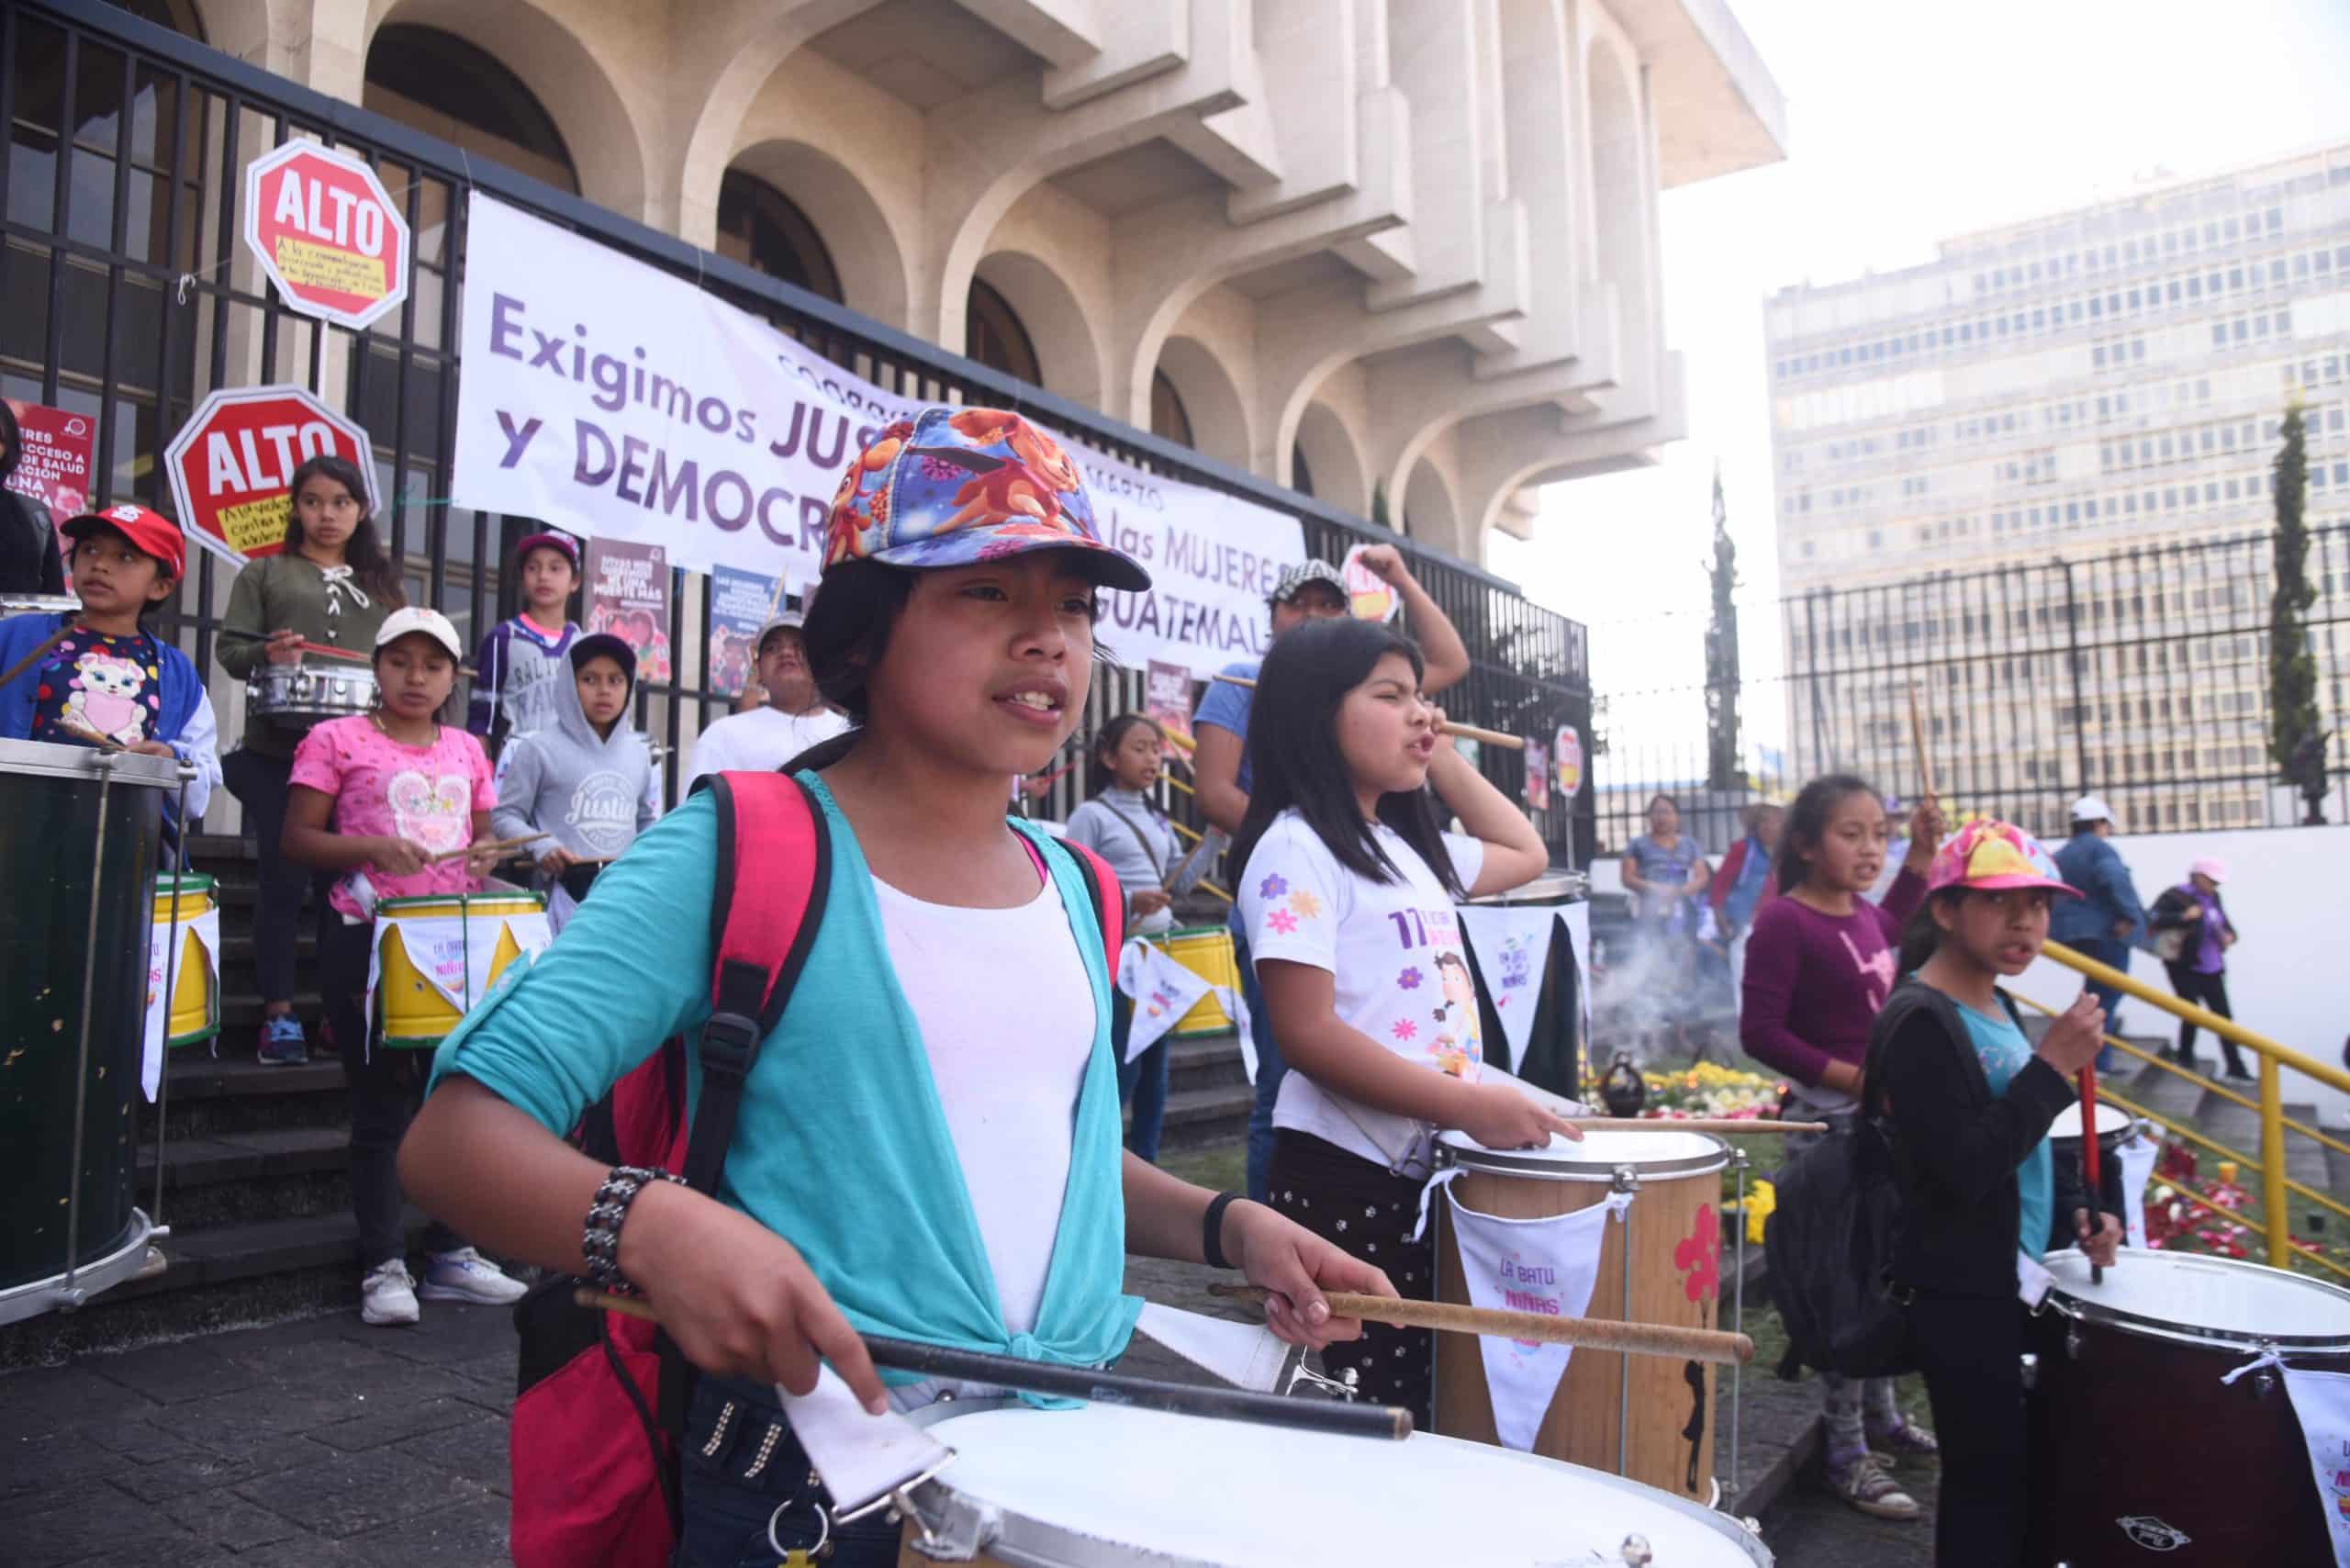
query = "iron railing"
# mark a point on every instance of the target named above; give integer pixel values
(125, 294)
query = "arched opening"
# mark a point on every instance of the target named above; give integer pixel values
(441, 85)
(1326, 462)
(180, 15)
(761, 228)
(1211, 403)
(1429, 514)
(995, 335)
(1169, 420)
(1619, 191)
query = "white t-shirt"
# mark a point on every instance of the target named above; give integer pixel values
(1395, 955)
(761, 740)
(1006, 1015)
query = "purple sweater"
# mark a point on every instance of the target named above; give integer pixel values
(1814, 983)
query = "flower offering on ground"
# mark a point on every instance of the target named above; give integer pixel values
(1707, 1090)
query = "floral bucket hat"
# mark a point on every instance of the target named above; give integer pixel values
(954, 487)
(1992, 856)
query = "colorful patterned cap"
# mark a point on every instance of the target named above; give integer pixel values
(1991, 856)
(952, 486)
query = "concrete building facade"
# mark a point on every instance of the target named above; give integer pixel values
(1980, 457)
(1405, 247)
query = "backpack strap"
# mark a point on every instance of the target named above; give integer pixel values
(774, 868)
(1109, 900)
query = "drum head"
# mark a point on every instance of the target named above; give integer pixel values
(1109, 1484)
(1657, 1155)
(1552, 888)
(2211, 1301)
(2110, 1119)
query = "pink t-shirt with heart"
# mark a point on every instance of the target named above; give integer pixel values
(424, 794)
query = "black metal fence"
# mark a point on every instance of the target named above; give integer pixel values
(126, 294)
(2140, 676)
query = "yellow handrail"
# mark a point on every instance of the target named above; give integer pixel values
(2273, 1057)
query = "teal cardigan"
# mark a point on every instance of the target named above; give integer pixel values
(841, 1148)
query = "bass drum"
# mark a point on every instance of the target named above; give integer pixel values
(2142, 1451)
(77, 868)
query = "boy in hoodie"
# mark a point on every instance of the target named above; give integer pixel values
(520, 668)
(587, 777)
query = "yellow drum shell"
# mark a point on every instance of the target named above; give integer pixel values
(1206, 951)
(195, 1004)
(412, 1013)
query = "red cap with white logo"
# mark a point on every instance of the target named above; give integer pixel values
(153, 533)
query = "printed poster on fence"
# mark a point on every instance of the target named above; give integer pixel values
(626, 404)
(1167, 698)
(627, 595)
(1538, 776)
(740, 604)
(53, 459)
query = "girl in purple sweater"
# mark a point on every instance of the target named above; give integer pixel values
(1819, 965)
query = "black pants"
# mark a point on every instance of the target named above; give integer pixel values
(261, 784)
(1361, 1207)
(2206, 991)
(1970, 1349)
(739, 1464)
(386, 1087)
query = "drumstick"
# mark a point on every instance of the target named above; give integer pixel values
(36, 655)
(303, 645)
(1592, 1332)
(1450, 727)
(1331, 1417)
(1918, 738)
(1691, 1125)
(501, 845)
(2089, 1152)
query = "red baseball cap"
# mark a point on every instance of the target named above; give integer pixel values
(152, 533)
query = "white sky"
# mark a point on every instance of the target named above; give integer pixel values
(1906, 123)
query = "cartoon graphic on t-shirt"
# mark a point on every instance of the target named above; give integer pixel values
(431, 812)
(1458, 1045)
(104, 698)
(1877, 970)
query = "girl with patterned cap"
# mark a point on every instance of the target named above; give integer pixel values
(1970, 1100)
(929, 1142)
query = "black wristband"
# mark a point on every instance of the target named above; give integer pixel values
(1212, 1229)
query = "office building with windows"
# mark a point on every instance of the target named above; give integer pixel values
(2005, 474)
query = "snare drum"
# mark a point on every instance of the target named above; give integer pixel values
(1661, 1265)
(495, 927)
(39, 604)
(1108, 1485)
(2140, 1449)
(1206, 951)
(195, 1003)
(300, 695)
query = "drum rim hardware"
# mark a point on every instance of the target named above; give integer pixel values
(2082, 1311)
(50, 760)
(1566, 887)
(1542, 1167)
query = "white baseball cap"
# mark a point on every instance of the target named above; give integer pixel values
(415, 618)
(2092, 808)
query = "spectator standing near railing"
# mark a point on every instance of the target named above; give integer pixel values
(2194, 934)
(1742, 885)
(2107, 918)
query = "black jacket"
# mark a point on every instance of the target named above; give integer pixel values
(29, 562)
(1957, 1145)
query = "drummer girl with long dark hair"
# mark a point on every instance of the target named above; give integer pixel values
(331, 587)
(929, 1138)
(1348, 896)
(1971, 1099)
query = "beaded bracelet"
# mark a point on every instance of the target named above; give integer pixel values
(600, 1244)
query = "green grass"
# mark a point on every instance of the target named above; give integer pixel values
(1220, 1168)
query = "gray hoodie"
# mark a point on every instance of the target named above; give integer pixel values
(594, 794)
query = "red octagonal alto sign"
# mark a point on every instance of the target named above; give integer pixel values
(325, 231)
(231, 466)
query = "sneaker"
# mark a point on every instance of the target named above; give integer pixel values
(467, 1275)
(1864, 1483)
(2240, 1074)
(282, 1044)
(1903, 1440)
(387, 1296)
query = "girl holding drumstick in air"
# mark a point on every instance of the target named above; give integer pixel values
(928, 1144)
(1348, 899)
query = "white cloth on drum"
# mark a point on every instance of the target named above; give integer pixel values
(1162, 991)
(1246, 1355)
(2137, 1158)
(1513, 947)
(2321, 1401)
(453, 953)
(1547, 1266)
(163, 972)
(858, 1456)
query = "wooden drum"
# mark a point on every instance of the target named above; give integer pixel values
(1647, 1418)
